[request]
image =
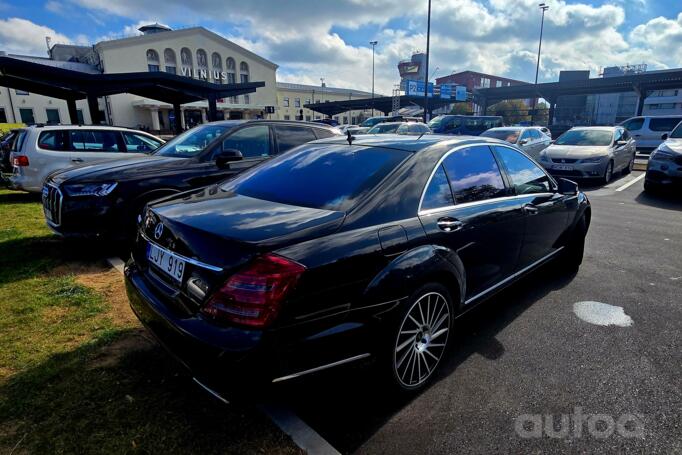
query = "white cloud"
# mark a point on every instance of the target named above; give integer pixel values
(20, 36)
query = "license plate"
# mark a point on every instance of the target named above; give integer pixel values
(562, 167)
(169, 263)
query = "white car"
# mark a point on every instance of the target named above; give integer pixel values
(40, 150)
(649, 131)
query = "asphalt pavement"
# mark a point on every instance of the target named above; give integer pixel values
(525, 358)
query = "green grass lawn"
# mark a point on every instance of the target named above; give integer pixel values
(77, 372)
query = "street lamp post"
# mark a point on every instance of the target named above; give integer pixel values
(544, 8)
(426, 73)
(373, 43)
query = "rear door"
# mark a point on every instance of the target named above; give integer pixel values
(544, 209)
(466, 208)
(657, 127)
(87, 146)
(50, 154)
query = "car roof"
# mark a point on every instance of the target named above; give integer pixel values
(283, 122)
(389, 123)
(596, 128)
(90, 127)
(408, 143)
(507, 128)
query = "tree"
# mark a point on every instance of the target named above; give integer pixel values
(461, 109)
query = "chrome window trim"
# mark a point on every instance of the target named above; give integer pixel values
(213, 268)
(483, 201)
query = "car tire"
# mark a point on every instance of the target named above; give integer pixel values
(629, 167)
(572, 255)
(419, 339)
(608, 173)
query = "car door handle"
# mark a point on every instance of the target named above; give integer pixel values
(448, 224)
(530, 209)
(76, 160)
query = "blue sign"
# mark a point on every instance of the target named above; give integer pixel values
(416, 88)
(446, 91)
(461, 93)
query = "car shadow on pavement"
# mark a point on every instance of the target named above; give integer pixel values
(667, 200)
(348, 405)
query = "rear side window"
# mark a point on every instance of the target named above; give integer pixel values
(324, 176)
(438, 193)
(322, 133)
(634, 124)
(289, 137)
(136, 142)
(473, 174)
(94, 141)
(663, 123)
(252, 141)
(53, 140)
(526, 176)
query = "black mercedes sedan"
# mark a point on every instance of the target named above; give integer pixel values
(104, 199)
(343, 249)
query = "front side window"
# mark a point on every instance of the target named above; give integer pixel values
(438, 193)
(634, 124)
(340, 176)
(136, 142)
(252, 141)
(289, 137)
(94, 141)
(474, 174)
(526, 176)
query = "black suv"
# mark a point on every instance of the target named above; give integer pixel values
(104, 199)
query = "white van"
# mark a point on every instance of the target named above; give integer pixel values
(38, 151)
(649, 131)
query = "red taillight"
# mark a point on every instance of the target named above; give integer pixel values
(253, 295)
(20, 160)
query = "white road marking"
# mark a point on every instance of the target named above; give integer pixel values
(302, 435)
(116, 263)
(287, 421)
(598, 313)
(631, 182)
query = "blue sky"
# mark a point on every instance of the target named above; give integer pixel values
(324, 38)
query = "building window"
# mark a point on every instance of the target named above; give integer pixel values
(297, 102)
(286, 117)
(79, 115)
(247, 99)
(3, 115)
(345, 119)
(217, 61)
(21, 92)
(231, 67)
(485, 82)
(307, 101)
(26, 115)
(171, 63)
(202, 64)
(244, 72)
(152, 60)
(657, 93)
(187, 64)
(662, 106)
(498, 83)
(307, 118)
(285, 101)
(52, 116)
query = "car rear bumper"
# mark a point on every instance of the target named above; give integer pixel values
(220, 357)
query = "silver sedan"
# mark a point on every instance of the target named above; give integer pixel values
(594, 152)
(529, 139)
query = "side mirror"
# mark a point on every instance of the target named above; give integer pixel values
(665, 136)
(621, 143)
(568, 187)
(226, 156)
(523, 141)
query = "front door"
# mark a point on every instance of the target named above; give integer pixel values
(544, 209)
(466, 209)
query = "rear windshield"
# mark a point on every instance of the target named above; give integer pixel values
(585, 137)
(323, 176)
(192, 142)
(506, 135)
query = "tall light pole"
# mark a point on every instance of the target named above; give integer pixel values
(373, 43)
(426, 73)
(544, 8)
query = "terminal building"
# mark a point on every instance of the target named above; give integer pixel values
(194, 53)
